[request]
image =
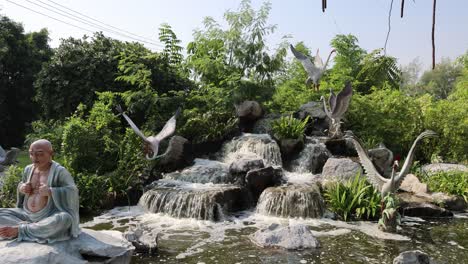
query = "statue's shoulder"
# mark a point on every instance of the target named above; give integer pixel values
(28, 168)
(60, 169)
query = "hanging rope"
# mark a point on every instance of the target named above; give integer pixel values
(433, 33)
(389, 27)
(402, 7)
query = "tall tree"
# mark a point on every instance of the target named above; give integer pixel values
(78, 69)
(21, 57)
(441, 81)
(236, 57)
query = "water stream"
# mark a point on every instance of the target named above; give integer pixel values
(185, 240)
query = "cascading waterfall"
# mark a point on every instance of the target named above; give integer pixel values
(308, 159)
(291, 201)
(247, 145)
(185, 200)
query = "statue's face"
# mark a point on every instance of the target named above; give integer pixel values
(40, 155)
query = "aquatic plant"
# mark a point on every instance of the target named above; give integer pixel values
(356, 198)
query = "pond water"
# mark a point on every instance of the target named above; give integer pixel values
(196, 241)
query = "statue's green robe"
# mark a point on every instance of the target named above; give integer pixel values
(57, 221)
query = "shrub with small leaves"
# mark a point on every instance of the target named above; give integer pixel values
(9, 186)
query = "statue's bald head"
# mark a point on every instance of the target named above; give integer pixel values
(44, 144)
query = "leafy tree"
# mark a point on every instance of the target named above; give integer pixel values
(172, 50)
(377, 69)
(347, 59)
(291, 91)
(364, 70)
(236, 58)
(441, 81)
(21, 58)
(78, 69)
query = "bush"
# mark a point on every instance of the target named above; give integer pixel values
(51, 130)
(386, 116)
(354, 198)
(289, 127)
(91, 144)
(451, 182)
(448, 118)
(93, 190)
(9, 186)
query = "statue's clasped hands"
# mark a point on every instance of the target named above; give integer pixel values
(43, 190)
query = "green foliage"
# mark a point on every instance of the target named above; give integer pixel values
(291, 91)
(207, 116)
(441, 81)
(21, 57)
(93, 191)
(51, 130)
(376, 71)
(90, 143)
(347, 59)
(227, 58)
(390, 217)
(448, 118)
(451, 182)
(289, 127)
(172, 50)
(9, 187)
(356, 198)
(386, 116)
(78, 69)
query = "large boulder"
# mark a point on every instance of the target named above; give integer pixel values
(447, 201)
(341, 147)
(319, 119)
(382, 158)
(424, 210)
(412, 184)
(292, 201)
(243, 165)
(412, 257)
(259, 179)
(293, 237)
(290, 146)
(340, 169)
(248, 112)
(89, 247)
(434, 168)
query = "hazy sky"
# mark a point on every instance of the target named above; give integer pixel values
(303, 20)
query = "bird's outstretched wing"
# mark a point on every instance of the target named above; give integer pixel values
(132, 125)
(372, 174)
(409, 158)
(318, 62)
(305, 61)
(169, 127)
(342, 101)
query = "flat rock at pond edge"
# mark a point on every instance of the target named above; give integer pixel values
(293, 237)
(412, 257)
(89, 247)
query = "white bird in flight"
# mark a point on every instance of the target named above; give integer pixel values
(153, 141)
(314, 69)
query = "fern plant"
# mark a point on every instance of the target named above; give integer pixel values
(451, 182)
(354, 198)
(288, 127)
